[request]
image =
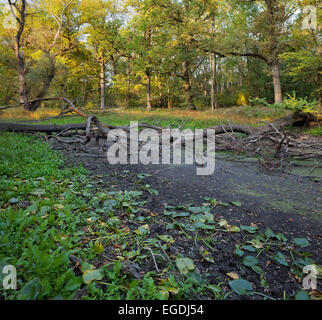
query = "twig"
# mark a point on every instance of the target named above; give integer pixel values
(155, 263)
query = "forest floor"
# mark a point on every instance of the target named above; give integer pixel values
(155, 231)
(240, 194)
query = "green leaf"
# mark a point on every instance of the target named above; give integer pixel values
(31, 290)
(302, 295)
(258, 270)
(281, 237)
(185, 265)
(269, 233)
(241, 287)
(199, 209)
(233, 229)
(74, 284)
(238, 252)
(91, 275)
(214, 289)
(249, 229)
(301, 242)
(250, 261)
(143, 230)
(249, 248)
(13, 200)
(236, 203)
(280, 258)
(166, 238)
(223, 223)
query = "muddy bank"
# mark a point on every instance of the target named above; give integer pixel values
(280, 201)
(285, 203)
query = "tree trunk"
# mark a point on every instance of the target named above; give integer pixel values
(187, 86)
(213, 82)
(128, 71)
(23, 95)
(148, 92)
(48, 128)
(102, 83)
(50, 76)
(23, 98)
(169, 94)
(277, 82)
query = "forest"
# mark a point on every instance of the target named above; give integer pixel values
(80, 77)
(162, 54)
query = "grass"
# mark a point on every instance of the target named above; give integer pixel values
(163, 117)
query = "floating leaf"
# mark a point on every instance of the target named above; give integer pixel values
(241, 287)
(185, 265)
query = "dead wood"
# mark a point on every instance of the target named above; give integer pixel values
(272, 139)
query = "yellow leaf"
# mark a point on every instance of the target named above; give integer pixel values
(233, 275)
(98, 247)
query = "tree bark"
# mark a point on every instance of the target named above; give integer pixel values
(102, 83)
(148, 91)
(277, 82)
(213, 82)
(128, 71)
(169, 94)
(47, 128)
(187, 86)
(23, 95)
(50, 76)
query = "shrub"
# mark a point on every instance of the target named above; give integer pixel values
(258, 102)
(300, 105)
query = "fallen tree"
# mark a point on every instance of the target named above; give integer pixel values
(269, 139)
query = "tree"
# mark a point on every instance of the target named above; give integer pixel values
(18, 9)
(258, 29)
(103, 38)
